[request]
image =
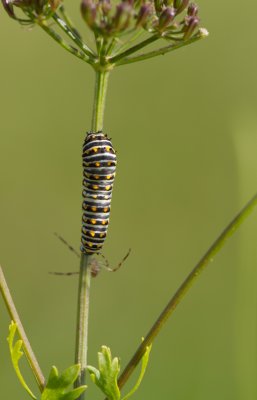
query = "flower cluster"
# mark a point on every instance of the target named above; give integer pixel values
(33, 9)
(155, 16)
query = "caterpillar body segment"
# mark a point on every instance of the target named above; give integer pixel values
(99, 167)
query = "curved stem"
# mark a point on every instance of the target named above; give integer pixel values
(62, 43)
(186, 285)
(25, 342)
(85, 272)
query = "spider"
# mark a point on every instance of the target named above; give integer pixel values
(95, 265)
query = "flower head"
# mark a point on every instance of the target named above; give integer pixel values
(107, 18)
(33, 9)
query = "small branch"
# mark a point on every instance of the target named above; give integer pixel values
(161, 51)
(99, 100)
(75, 37)
(186, 285)
(111, 46)
(82, 320)
(62, 43)
(134, 49)
(134, 37)
(25, 342)
(68, 21)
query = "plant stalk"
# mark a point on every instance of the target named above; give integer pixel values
(82, 319)
(62, 43)
(101, 83)
(134, 49)
(74, 36)
(184, 288)
(158, 52)
(25, 342)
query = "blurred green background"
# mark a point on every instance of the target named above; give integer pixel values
(185, 128)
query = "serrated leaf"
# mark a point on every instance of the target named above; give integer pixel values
(16, 354)
(145, 361)
(106, 376)
(57, 387)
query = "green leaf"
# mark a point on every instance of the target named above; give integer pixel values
(145, 360)
(16, 354)
(106, 377)
(57, 387)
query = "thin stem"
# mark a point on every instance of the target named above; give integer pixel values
(73, 36)
(101, 84)
(98, 42)
(85, 273)
(133, 49)
(62, 43)
(161, 51)
(25, 342)
(111, 46)
(134, 37)
(186, 285)
(82, 319)
(68, 21)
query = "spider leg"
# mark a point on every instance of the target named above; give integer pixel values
(64, 273)
(71, 249)
(107, 266)
(121, 262)
(67, 244)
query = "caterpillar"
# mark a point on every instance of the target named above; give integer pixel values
(99, 166)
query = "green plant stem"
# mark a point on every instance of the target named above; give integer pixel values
(25, 342)
(101, 83)
(82, 319)
(68, 21)
(62, 43)
(161, 51)
(134, 49)
(186, 285)
(125, 45)
(73, 36)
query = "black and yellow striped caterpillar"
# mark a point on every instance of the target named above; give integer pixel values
(99, 165)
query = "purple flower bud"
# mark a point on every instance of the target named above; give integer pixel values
(23, 3)
(105, 6)
(192, 10)
(38, 5)
(9, 8)
(88, 11)
(35, 8)
(122, 17)
(166, 18)
(180, 5)
(191, 23)
(54, 4)
(145, 11)
(159, 5)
